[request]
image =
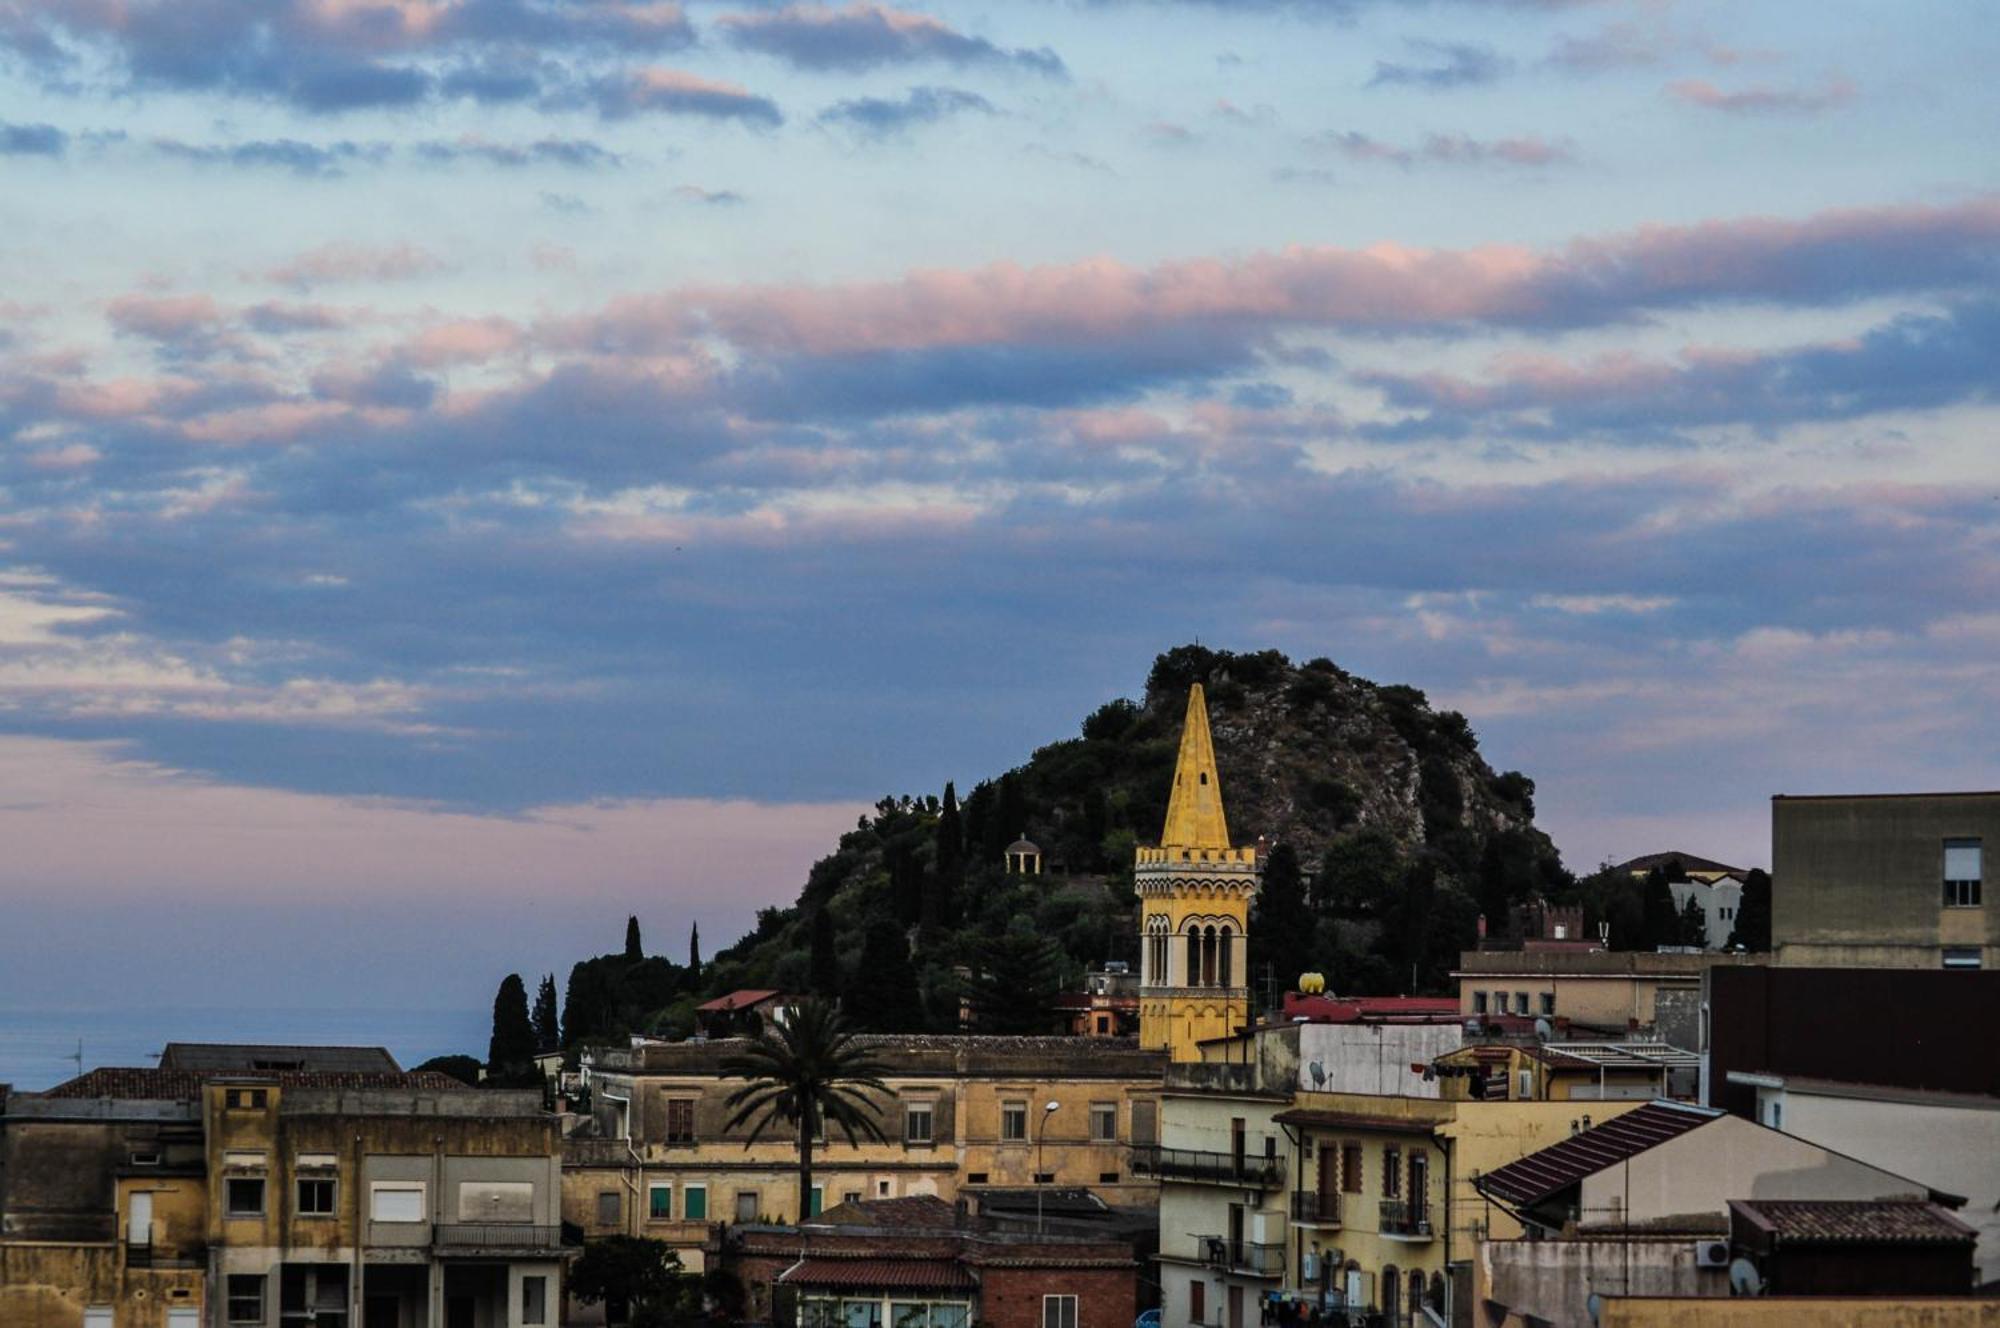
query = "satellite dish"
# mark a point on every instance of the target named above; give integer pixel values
(1542, 1030)
(1744, 1279)
(1594, 1305)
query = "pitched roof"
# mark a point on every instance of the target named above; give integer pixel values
(249, 1057)
(1645, 862)
(1194, 807)
(1561, 1165)
(911, 1211)
(824, 1270)
(737, 1000)
(144, 1082)
(1858, 1222)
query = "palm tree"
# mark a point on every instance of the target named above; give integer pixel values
(806, 1070)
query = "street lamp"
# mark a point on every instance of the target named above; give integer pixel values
(1048, 1109)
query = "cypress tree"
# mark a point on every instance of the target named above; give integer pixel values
(1694, 923)
(633, 953)
(1281, 927)
(1753, 913)
(883, 997)
(512, 1046)
(585, 1004)
(694, 954)
(1661, 924)
(824, 970)
(546, 1019)
(940, 902)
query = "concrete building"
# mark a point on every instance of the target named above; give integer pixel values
(962, 1112)
(218, 1197)
(1527, 1070)
(1884, 881)
(1607, 991)
(1194, 908)
(1949, 1141)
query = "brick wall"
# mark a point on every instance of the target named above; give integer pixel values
(1012, 1297)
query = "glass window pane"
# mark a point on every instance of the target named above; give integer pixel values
(1962, 860)
(904, 1314)
(949, 1316)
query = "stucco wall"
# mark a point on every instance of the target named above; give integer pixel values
(1784, 1311)
(1553, 1280)
(1373, 1058)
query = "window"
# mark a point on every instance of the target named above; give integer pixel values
(1197, 1301)
(1520, 1002)
(396, 1201)
(1479, 1002)
(145, 1159)
(1058, 1312)
(1961, 956)
(694, 1203)
(1963, 870)
(680, 1120)
(816, 1201)
(748, 1204)
(534, 1300)
(245, 1299)
(1548, 1002)
(243, 1196)
(1104, 1122)
(917, 1122)
(97, 1316)
(975, 1178)
(245, 1099)
(1350, 1168)
(1777, 1114)
(660, 1202)
(1392, 1173)
(315, 1197)
(608, 1208)
(1013, 1122)
(850, 1196)
(1145, 1122)
(881, 1189)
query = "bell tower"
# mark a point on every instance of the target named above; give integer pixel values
(1194, 908)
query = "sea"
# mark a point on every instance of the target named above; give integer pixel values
(41, 1048)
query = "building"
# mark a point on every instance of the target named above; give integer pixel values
(171, 1198)
(1606, 991)
(920, 1262)
(1785, 1311)
(1884, 881)
(1023, 858)
(1108, 1005)
(1194, 894)
(1894, 1027)
(1949, 1141)
(1692, 866)
(1807, 1247)
(963, 1112)
(1535, 1071)
(740, 1013)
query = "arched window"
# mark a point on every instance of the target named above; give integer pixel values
(1392, 1293)
(1436, 1297)
(1228, 947)
(1156, 951)
(1416, 1293)
(1193, 975)
(1208, 956)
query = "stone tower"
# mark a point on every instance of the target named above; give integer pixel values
(1194, 908)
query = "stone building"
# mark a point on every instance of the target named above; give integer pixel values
(962, 1112)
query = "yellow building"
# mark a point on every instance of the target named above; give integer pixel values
(961, 1112)
(1194, 893)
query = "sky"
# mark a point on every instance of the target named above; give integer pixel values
(474, 469)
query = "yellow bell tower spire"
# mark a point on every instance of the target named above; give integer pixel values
(1194, 908)
(1194, 808)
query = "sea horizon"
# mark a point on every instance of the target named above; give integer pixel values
(39, 1045)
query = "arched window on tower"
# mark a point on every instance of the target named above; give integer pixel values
(1223, 965)
(1193, 975)
(1156, 951)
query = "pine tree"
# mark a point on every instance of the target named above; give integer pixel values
(1662, 921)
(1016, 984)
(824, 970)
(1753, 913)
(633, 953)
(883, 998)
(694, 955)
(1281, 927)
(511, 1050)
(546, 1018)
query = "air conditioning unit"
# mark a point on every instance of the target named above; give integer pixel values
(1711, 1254)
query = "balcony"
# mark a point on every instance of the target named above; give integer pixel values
(1406, 1221)
(1316, 1210)
(1241, 1256)
(1251, 1169)
(493, 1237)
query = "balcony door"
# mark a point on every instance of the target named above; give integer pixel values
(1329, 1180)
(1420, 1175)
(139, 1219)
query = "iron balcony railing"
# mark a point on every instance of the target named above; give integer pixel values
(1400, 1217)
(1266, 1170)
(472, 1236)
(1241, 1256)
(1316, 1209)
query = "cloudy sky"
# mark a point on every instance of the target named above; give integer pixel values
(470, 469)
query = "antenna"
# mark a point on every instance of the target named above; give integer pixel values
(78, 1057)
(1744, 1279)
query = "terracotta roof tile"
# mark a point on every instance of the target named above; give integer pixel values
(1860, 1222)
(149, 1083)
(1561, 1165)
(820, 1270)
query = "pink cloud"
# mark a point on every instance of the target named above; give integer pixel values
(164, 317)
(1756, 100)
(341, 262)
(464, 341)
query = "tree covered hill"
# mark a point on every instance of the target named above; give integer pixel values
(1386, 833)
